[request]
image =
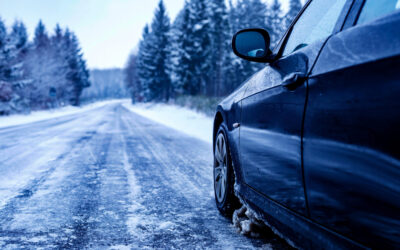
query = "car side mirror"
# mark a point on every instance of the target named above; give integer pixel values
(252, 45)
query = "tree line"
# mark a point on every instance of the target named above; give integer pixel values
(105, 84)
(47, 72)
(192, 55)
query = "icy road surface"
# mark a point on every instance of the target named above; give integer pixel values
(109, 178)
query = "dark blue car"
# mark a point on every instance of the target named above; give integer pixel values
(312, 141)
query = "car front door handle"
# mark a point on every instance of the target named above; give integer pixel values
(293, 80)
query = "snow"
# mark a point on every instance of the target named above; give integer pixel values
(245, 222)
(120, 247)
(133, 219)
(248, 222)
(13, 120)
(166, 225)
(109, 173)
(12, 181)
(179, 118)
(134, 187)
(45, 148)
(197, 27)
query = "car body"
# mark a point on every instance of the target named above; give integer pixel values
(314, 137)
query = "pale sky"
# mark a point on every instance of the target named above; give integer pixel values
(107, 29)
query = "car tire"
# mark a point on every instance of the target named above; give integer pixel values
(224, 176)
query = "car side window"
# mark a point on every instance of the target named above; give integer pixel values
(316, 22)
(374, 9)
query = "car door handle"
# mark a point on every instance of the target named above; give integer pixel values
(293, 80)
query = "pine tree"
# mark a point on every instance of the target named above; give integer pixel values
(19, 35)
(185, 70)
(250, 14)
(3, 34)
(144, 59)
(175, 52)
(233, 17)
(6, 91)
(233, 65)
(4, 44)
(294, 8)
(17, 49)
(131, 79)
(220, 46)
(17, 76)
(39, 67)
(159, 82)
(276, 22)
(57, 38)
(78, 74)
(194, 56)
(153, 57)
(41, 39)
(202, 43)
(59, 55)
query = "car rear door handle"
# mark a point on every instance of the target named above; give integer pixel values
(293, 80)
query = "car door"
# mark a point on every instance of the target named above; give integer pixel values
(352, 130)
(272, 112)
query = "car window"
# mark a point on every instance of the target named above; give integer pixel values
(316, 22)
(374, 9)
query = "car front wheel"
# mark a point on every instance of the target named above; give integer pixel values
(224, 178)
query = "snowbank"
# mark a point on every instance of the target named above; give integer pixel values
(185, 120)
(13, 120)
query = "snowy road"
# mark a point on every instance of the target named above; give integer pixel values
(109, 178)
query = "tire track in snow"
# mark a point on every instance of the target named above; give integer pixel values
(100, 221)
(178, 190)
(17, 234)
(34, 149)
(18, 204)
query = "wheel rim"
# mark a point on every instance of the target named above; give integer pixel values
(220, 167)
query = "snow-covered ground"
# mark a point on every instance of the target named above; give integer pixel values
(179, 118)
(108, 178)
(13, 120)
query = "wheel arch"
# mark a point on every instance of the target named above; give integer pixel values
(223, 117)
(218, 120)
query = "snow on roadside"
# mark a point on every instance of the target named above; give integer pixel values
(13, 120)
(182, 119)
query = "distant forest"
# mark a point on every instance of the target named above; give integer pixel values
(192, 56)
(47, 72)
(106, 84)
